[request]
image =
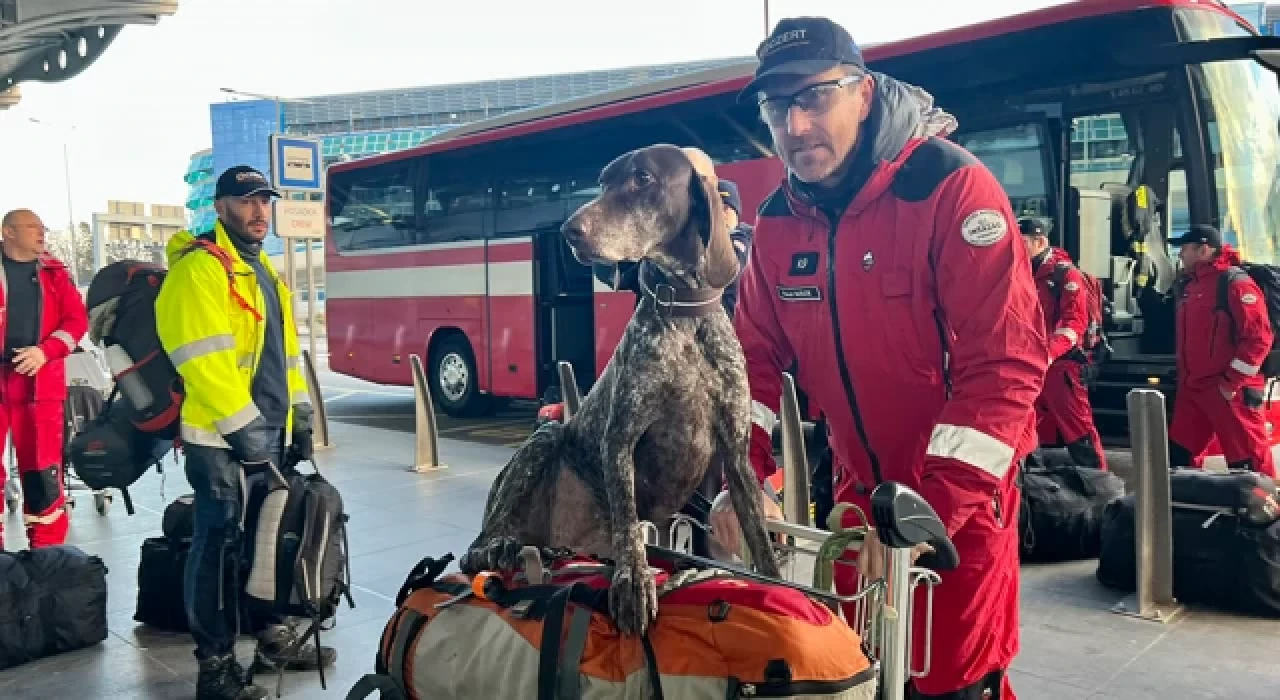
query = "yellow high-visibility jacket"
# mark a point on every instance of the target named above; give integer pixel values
(215, 343)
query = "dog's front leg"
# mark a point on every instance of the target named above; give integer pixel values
(732, 454)
(633, 595)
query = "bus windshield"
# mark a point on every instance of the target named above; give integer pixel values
(1240, 101)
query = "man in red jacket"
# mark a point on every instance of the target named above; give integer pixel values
(1223, 335)
(888, 267)
(1063, 406)
(42, 319)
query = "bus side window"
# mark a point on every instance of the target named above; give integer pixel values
(373, 208)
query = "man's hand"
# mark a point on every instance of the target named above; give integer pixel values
(871, 557)
(29, 360)
(726, 531)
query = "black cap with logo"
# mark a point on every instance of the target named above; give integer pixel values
(1034, 226)
(242, 181)
(1199, 233)
(800, 47)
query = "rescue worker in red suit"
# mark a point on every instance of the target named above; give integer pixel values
(1219, 357)
(42, 319)
(1063, 407)
(886, 266)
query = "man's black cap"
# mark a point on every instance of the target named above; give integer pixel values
(800, 47)
(729, 194)
(1033, 226)
(1200, 233)
(242, 181)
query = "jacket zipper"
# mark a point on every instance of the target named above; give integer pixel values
(840, 361)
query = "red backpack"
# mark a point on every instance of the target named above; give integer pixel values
(1094, 343)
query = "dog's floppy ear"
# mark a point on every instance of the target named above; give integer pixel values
(721, 260)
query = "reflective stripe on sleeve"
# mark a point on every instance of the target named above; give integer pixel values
(1244, 368)
(301, 396)
(237, 420)
(1069, 332)
(199, 348)
(763, 417)
(199, 436)
(971, 446)
(66, 339)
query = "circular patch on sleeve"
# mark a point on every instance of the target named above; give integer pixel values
(984, 227)
(1248, 298)
(1071, 287)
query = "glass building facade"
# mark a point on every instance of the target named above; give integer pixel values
(359, 125)
(200, 181)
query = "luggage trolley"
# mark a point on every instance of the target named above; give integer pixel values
(884, 607)
(87, 385)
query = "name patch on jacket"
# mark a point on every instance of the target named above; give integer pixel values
(799, 293)
(804, 264)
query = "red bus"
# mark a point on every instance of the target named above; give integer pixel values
(452, 249)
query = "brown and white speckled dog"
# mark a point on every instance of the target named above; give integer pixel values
(672, 403)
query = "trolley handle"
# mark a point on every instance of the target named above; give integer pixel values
(903, 519)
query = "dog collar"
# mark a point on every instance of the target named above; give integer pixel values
(690, 303)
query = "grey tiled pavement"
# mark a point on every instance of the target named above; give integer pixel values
(1072, 646)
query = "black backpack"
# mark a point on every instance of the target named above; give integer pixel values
(1267, 278)
(296, 560)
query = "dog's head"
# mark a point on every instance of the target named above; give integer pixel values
(657, 203)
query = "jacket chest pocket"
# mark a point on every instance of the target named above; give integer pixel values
(899, 319)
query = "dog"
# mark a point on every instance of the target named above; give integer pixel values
(672, 403)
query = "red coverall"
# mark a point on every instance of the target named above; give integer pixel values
(33, 406)
(920, 267)
(1222, 350)
(1062, 411)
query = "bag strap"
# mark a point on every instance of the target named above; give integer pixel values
(225, 259)
(371, 683)
(423, 575)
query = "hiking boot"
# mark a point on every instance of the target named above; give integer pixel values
(223, 678)
(275, 651)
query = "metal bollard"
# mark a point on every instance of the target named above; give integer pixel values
(1153, 510)
(795, 463)
(320, 416)
(426, 439)
(569, 390)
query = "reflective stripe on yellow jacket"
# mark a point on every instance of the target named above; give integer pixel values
(214, 343)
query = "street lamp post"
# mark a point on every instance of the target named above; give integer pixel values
(71, 218)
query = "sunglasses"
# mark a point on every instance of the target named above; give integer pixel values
(813, 100)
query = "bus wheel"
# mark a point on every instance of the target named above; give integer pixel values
(452, 376)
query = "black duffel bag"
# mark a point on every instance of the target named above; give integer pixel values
(52, 600)
(1061, 514)
(1221, 556)
(160, 584)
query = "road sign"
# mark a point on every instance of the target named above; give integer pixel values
(296, 163)
(295, 219)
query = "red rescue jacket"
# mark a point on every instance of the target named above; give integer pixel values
(63, 322)
(1217, 347)
(913, 320)
(1066, 311)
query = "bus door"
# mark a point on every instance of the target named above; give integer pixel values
(563, 298)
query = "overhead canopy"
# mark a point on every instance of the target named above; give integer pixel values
(52, 40)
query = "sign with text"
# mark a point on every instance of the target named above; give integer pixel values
(296, 163)
(295, 219)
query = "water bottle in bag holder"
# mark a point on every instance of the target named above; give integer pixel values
(128, 381)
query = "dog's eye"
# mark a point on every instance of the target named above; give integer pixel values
(643, 178)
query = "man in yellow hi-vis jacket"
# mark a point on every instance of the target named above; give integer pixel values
(225, 319)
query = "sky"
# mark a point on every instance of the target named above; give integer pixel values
(131, 121)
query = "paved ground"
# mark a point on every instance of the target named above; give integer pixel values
(1072, 646)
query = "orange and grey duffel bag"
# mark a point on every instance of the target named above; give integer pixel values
(717, 635)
